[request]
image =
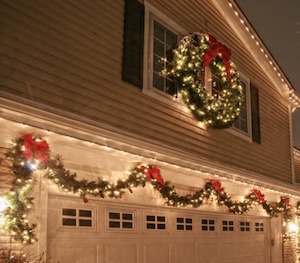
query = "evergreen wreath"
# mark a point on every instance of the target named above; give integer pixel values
(29, 153)
(194, 53)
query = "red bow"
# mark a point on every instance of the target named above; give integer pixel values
(259, 195)
(287, 202)
(217, 186)
(153, 173)
(217, 48)
(34, 148)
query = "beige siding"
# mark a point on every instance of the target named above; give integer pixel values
(297, 169)
(68, 54)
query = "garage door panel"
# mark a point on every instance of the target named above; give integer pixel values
(246, 248)
(156, 253)
(184, 251)
(75, 252)
(228, 249)
(208, 251)
(120, 253)
(259, 246)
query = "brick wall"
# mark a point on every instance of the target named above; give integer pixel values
(289, 250)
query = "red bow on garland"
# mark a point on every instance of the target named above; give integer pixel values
(37, 149)
(287, 202)
(153, 173)
(217, 186)
(217, 48)
(259, 195)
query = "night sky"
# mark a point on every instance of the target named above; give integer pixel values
(277, 22)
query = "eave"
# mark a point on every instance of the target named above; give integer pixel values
(241, 26)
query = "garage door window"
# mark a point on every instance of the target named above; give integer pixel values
(244, 226)
(259, 226)
(120, 220)
(76, 217)
(155, 222)
(208, 225)
(184, 223)
(227, 226)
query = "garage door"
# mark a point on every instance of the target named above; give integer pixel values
(112, 232)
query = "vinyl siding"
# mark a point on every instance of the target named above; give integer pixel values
(297, 168)
(68, 54)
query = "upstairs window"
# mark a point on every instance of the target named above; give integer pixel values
(164, 40)
(242, 123)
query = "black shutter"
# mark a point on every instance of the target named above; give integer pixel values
(255, 114)
(133, 43)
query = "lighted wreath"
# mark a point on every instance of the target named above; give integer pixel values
(194, 53)
(29, 153)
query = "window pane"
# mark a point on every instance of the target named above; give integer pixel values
(127, 216)
(158, 66)
(127, 225)
(69, 212)
(189, 227)
(179, 219)
(114, 215)
(180, 227)
(158, 81)
(150, 226)
(159, 31)
(189, 220)
(171, 38)
(69, 222)
(85, 213)
(170, 86)
(161, 226)
(85, 222)
(113, 224)
(163, 43)
(159, 48)
(161, 219)
(150, 218)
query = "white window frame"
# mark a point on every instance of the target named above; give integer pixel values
(77, 218)
(121, 220)
(151, 14)
(236, 131)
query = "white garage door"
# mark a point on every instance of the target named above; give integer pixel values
(110, 232)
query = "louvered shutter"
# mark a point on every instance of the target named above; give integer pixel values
(133, 43)
(255, 114)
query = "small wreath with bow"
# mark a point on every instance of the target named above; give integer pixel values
(194, 53)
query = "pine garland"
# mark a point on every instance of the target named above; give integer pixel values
(21, 203)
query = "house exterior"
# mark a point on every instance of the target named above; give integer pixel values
(85, 77)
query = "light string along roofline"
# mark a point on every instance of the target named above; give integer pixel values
(30, 153)
(292, 96)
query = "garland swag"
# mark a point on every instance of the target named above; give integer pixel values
(29, 153)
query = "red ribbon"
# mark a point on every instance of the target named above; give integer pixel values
(287, 202)
(259, 195)
(153, 173)
(217, 186)
(35, 149)
(217, 48)
(85, 200)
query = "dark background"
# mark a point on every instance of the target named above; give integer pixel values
(277, 22)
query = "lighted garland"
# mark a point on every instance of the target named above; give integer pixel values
(194, 53)
(29, 154)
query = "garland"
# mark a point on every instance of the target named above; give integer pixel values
(29, 154)
(195, 52)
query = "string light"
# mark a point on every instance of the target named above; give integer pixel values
(257, 41)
